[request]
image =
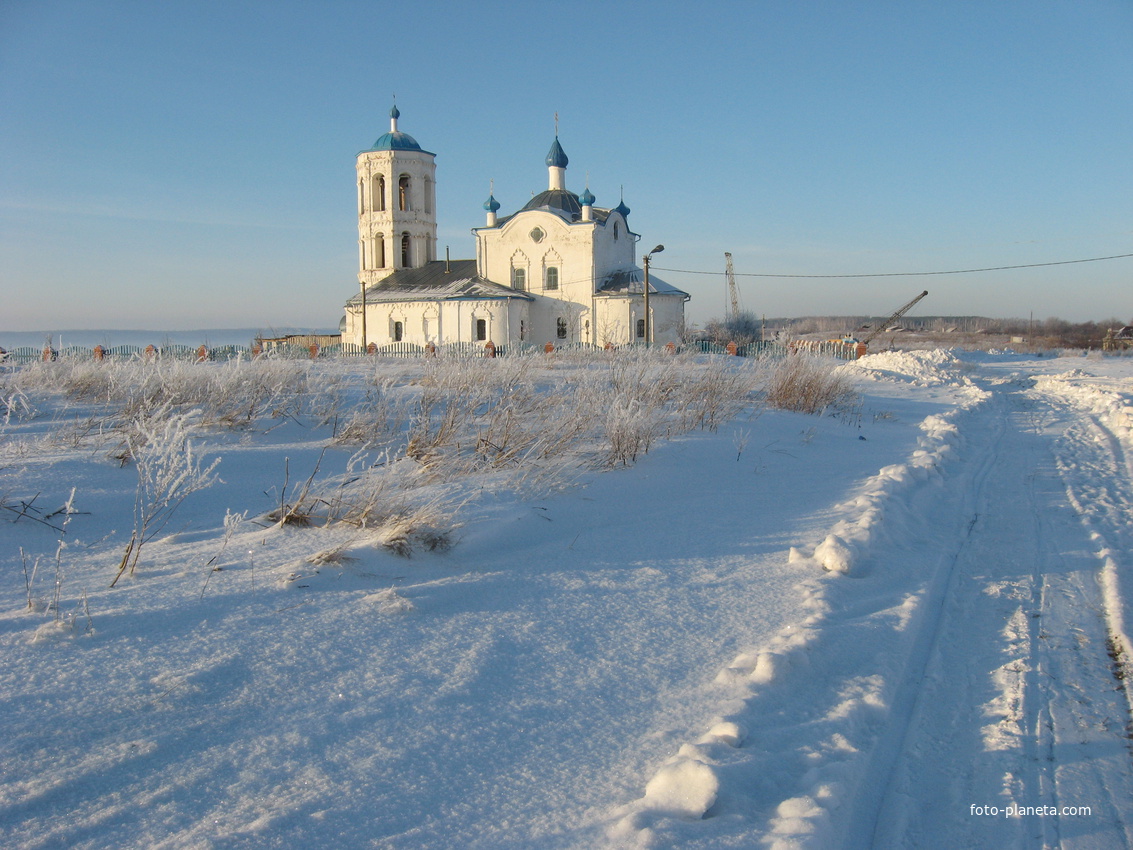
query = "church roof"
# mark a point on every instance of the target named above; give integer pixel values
(628, 282)
(558, 201)
(431, 282)
(565, 204)
(396, 141)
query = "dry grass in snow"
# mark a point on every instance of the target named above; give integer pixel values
(402, 445)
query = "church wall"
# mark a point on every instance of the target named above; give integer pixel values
(612, 254)
(616, 319)
(668, 318)
(612, 321)
(440, 322)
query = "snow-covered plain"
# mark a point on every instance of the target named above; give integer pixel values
(902, 623)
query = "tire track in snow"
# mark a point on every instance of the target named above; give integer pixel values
(1102, 445)
(952, 655)
(1104, 502)
(806, 703)
(886, 801)
(1053, 741)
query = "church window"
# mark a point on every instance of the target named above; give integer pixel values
(403, 193)
(405, 251)
(641, 328)
(428, 195)
(561, 329)
(519, 279)
(379, 252)
(616, 231)
(552, 279)
(522, 330)
(378, 193)
(398, 331)
(481, 330)
(361, 197)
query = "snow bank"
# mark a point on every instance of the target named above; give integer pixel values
(687, 786)
(1112, 406)
(938, 367)
(1109, 409)
(852, 536)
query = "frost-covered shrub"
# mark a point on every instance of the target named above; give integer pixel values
(631, 427)
(807, 384)
(168, 472)
(376, 420)
(231, 394)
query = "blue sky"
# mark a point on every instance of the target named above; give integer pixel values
(191, 165)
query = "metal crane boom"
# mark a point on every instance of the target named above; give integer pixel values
(733, 291)
(901, 312)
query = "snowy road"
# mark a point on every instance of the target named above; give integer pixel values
(1012, 702)
(958, 685)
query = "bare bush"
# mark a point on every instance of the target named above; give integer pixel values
(231, 394)
(807, 384)
(168, 472)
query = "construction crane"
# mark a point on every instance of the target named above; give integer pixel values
(733, 291)
(901, 312)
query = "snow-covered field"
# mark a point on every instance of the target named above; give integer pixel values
(608, 602)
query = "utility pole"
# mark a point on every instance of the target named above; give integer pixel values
(645, 263)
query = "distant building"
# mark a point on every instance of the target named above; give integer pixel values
(558, 270)
(1118, 339)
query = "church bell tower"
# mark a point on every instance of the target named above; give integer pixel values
(397, 219)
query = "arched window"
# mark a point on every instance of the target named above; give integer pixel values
(616, 231)
(428, 195)
(561, 328)
(519, 279)
(398, 331)
(361, 197)
(379, 252)
(551, 281)
(405, 251)
(378, 193)
(403, 193)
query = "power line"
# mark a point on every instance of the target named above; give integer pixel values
(905, 274)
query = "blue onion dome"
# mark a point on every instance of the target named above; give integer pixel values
(396, 141)
(622, 208)
(556, 157)
(492, 205)
(586, 198)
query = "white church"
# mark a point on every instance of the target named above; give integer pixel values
(560, 270)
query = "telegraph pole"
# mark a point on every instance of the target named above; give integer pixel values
(645, 263)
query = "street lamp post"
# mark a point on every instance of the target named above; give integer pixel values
(645, 263)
